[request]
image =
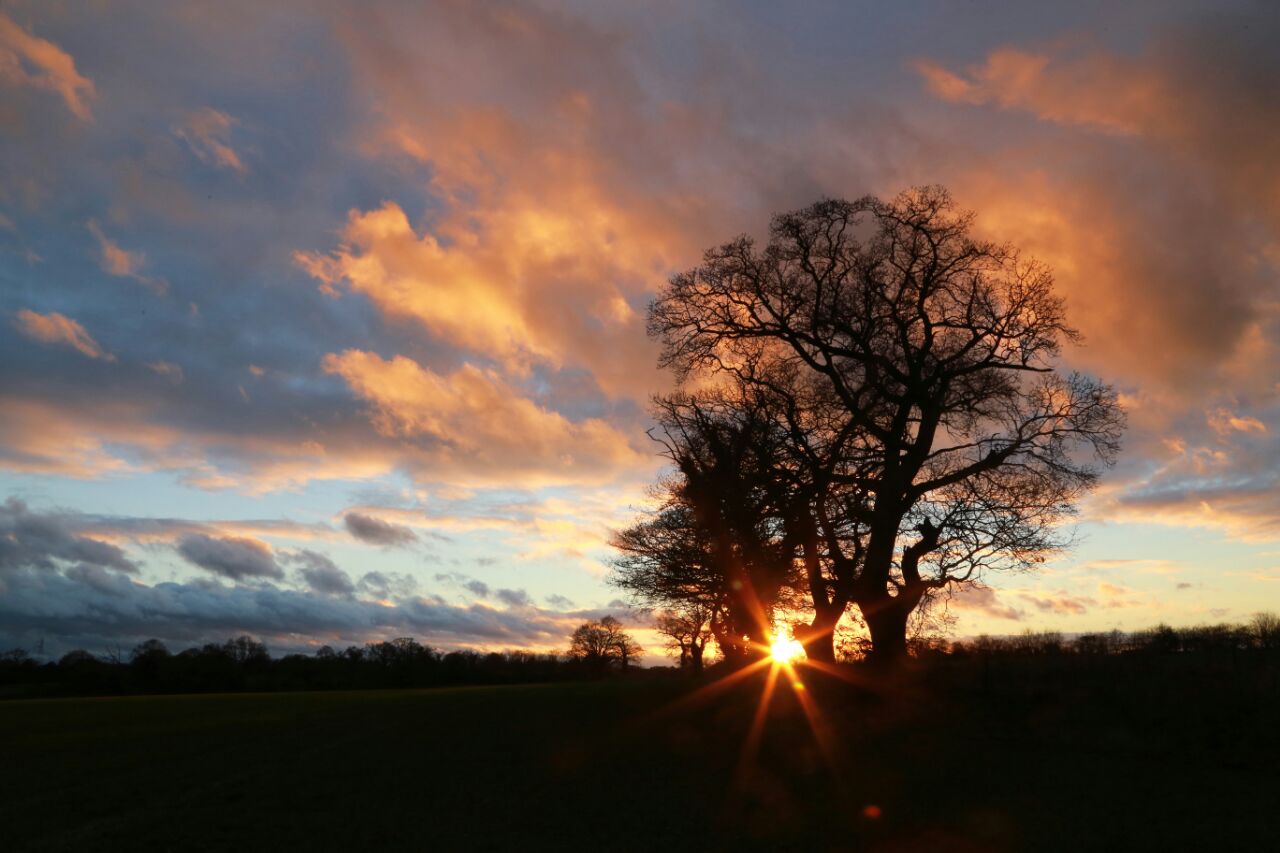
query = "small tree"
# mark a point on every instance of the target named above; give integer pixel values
(1265, 628)
(688, 630)
(602, 644)
(246, 650)
(624, 648)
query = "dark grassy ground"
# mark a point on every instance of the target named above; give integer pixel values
(1080, 765)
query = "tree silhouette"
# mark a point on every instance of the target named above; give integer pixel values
(688, 631)
(722, 539)
(912, 369)
(601, 644)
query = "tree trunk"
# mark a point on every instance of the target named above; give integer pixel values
(819, 640)
(887, 622)
(695, 657)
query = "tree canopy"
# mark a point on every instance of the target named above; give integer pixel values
(871, 412)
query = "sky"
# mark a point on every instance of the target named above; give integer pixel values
(324, 322)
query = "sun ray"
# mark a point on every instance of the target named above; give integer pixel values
(707, 691)
(752, 743)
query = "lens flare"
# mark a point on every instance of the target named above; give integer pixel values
(786, 650)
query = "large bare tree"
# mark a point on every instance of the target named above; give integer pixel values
(914, 369)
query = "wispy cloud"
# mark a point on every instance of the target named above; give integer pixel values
(207, 132)
(29, 60)
(123, 263)
(59, 329)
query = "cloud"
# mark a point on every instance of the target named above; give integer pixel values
(207, 132)
(93, 609)
(29, 60)
(46, 540)
(236, 558)
(544, 207)
(122, 263)
(387, 584)
(375, 531)
(1227, 479)
(564, 191)
(115, 260)
(1143, 565)
(321, 574)
(473, 421)
(513, 597)
(169, 370)
(1099, 90)
(1106, 221)
(55, 328)
(1224, 422)
(513, 182)
(560, 602)
(982, 600)
(1146, 179)
(478, 588)
(1062, 605)
(130, 427)
(117, 531)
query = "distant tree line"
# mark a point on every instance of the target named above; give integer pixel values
(244, 664)
(1261, 635)
(597, 649)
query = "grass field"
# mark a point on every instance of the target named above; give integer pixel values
(636, 765)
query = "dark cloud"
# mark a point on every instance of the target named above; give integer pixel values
(321, 574)
(559, 602)
(94, 608)
(513, 597)
(387, 584)
(231, 557)
(375, 531)
(478, 588)
(43, 540)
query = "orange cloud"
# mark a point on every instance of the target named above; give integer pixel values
(55, 328)
(207, 133)
(1224, 422)
(473, 421)
(448, 289)
(122, 263)
(565, 194)
(38, 438)
(1099, 91)
(28, 60)
(96, 437)
(982, 601)
(115, 260)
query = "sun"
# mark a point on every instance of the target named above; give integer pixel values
(786, 650)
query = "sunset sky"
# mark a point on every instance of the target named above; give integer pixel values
(324, 322)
